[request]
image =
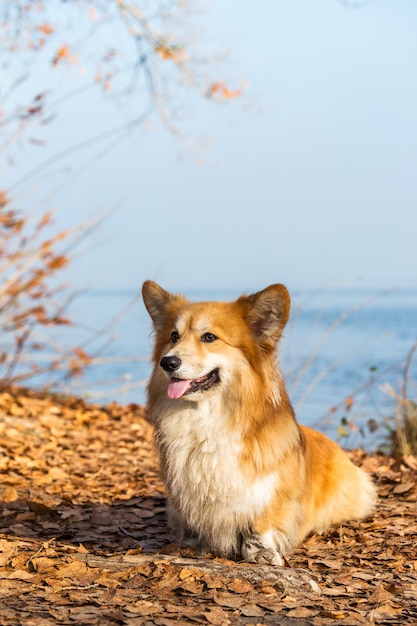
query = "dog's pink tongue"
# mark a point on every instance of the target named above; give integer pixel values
(177, 388)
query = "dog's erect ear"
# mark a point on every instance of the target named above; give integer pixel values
(156, 301)
(267, 312)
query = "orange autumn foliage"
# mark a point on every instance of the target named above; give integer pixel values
(62, 53)
(29, 261)
(349, 403)
(221, 91)
(174, 53)
(46, 29)
(159, 31)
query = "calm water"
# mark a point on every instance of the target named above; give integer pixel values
(339, 344)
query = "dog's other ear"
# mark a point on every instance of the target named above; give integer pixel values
(156, 301)
(267, 312)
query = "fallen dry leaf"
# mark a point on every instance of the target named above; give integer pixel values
(239, 586)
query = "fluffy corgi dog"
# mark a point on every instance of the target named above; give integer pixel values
(245, 480)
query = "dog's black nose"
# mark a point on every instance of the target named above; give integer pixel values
(170, 363)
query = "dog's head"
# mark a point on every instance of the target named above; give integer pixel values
(204, 345)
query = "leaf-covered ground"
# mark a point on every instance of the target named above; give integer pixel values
(83, 536)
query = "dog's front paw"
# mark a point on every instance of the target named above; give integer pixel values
(258, 549)
(263, 557)
(269, 557)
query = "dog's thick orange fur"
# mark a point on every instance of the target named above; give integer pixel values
(244, 479)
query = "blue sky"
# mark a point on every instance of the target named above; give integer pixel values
(310, 180)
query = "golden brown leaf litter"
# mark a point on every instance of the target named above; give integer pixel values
(83, 536)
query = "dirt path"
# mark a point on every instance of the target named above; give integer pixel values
(83, 537)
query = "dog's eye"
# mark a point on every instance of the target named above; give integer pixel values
(174, 336)
(208, 337)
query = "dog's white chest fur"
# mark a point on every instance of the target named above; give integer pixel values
(211, 493)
